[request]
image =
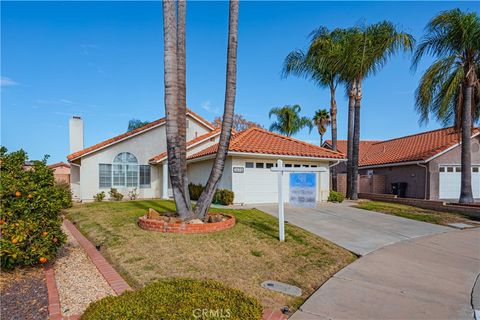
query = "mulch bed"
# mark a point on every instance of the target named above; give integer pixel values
(24, 294)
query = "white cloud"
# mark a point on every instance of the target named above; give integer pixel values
(207, 106)
(6, 82)
(66, 101)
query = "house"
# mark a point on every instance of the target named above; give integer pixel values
(138, 159)
(61, 172)
(428, 162)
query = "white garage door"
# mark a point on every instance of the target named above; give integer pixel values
(450, 178)
(257, 184)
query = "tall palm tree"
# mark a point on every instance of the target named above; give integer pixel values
(174, 75)
(324, 44)
(450, 87)
(289, 121)
(322, 120)
(365, 51)
(206, 197)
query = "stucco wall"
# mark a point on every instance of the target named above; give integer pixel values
(144, 146)
(198, 173)
(413, 175)
(452, 157)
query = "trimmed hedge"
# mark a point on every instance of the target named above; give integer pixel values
(222, 196)
(177, 299)
(335, 196)
(30, 207)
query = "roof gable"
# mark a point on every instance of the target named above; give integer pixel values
(133, 133)
(260, 141)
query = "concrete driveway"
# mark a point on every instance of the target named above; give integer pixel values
(357, 230)
(429, 277)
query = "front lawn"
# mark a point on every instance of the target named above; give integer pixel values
(414, 213)
(242, 257)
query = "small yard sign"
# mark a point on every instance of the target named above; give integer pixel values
(303, 189)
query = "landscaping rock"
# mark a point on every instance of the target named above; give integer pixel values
(195, 221)
(174, 220)
(153, 214)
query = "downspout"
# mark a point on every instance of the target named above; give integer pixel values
(426, 179)
(336, 163)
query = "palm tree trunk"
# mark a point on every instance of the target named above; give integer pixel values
(208, 192)
(356, 141)
(333, 119)
(351, 117)
(171, 100)
(466, 195)
(182, 106)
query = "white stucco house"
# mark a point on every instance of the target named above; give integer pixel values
(138, 159)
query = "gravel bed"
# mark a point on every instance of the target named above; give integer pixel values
(78, 280)
(23, 294)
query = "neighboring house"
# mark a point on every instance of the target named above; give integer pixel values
(429, 162)
(61, 172)
(138, 159)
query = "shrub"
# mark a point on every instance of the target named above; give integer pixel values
(222, 196)
(133, 194)
(335, 196)
(115, 195)
(62, 189)
(30, 208)
(177, 299)
(99, 196)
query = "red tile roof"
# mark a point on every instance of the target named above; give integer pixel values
(416, 147)
(130, 133)
(257, 140)
(58, 164)
(190, 143)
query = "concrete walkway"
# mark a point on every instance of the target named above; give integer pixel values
(429, 277)
(357, 230)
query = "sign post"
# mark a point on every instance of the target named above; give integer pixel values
(302, 190)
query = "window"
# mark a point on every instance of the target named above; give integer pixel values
(305, 165)
(268, 165)
(296, 166)
(125, 170)
(259, 165)
(449, 169)
(248, 164)
(118, 172)
(288, 165)
(105, 175)
(442, 169)
(144, 176)
(313, 166)
(458, 169)
(475, 169)
(132, 175)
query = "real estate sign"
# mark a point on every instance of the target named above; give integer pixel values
(303, 189)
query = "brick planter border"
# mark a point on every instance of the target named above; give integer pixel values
(182, 227)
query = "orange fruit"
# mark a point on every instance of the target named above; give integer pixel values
(44, 233)
(55, 240)
(2, 222)
(42, 259)
(18, 194)
(30, 196)
(14, 241)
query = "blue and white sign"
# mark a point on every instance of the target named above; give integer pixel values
(303, 189)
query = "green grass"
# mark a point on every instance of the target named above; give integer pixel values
(411, 212)
(241, 257)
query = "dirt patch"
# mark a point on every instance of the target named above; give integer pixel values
(24, 294)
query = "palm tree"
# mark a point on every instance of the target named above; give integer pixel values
(206, 197)
(324, 44)
(174, 61)
(321, 119)
(450, 87)
(289, 121)
(365, 51)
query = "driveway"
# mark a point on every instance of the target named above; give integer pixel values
(430, 277)
(357, 230)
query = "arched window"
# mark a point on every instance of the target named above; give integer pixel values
(125, 170)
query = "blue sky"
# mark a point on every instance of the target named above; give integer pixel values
(104, 62)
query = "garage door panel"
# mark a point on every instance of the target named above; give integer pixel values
(450, 181)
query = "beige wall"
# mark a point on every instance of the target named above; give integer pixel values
(144, 146)
(452, 157)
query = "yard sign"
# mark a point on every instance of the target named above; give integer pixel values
(303, 189)
(304, 182)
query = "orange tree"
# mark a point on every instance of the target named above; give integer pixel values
(30, 205)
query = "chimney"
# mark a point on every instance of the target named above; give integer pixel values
(76, 134)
